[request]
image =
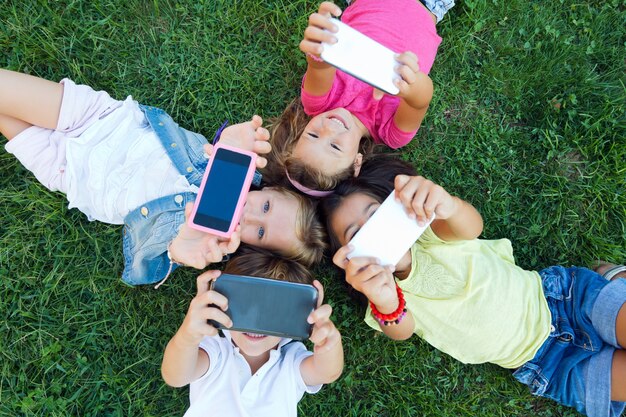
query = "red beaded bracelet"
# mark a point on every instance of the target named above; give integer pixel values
(391, 318)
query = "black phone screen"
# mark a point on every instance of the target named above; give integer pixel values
(222, 189)
(267, 306)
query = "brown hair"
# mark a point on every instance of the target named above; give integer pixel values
(258, 262)
(311, 234)
(285, 131)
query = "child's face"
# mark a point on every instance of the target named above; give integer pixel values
(252, 344)
(268, 220)
(351, 215)
(330, 142)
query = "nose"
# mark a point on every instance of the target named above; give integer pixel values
(249, 217)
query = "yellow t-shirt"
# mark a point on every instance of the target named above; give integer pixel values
(471, 301)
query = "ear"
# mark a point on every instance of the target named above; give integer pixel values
(357, 164)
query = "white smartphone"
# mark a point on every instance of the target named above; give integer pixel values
(362, 57)
(388, 234)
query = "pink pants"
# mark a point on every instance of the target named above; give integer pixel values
(42, 151)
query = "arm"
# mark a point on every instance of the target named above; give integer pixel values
(455, 219)
(416, 92)
(319, 75)
(377, 283)
(183, 362)
(326, 363)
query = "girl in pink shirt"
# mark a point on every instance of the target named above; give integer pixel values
(320, 140)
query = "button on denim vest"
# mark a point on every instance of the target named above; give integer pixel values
(150, 227)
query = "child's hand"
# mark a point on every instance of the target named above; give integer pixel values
(250, 136)
(198, 249)
(320, 29)
(371, 279)
(195, 325)
(422, 198)
(407, 70)
(325, 335)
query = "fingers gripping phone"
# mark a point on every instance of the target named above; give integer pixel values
(362, 57)
(267, 306)
(223, 191)
(388, 234)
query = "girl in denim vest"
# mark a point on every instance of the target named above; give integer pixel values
(563, 329)
(123, 163)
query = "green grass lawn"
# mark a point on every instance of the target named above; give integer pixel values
(527, 123)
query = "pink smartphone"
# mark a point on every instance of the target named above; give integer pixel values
(223, 191)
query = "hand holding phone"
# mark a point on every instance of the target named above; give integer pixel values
(320, 29)
(267, 306)
(223, 191)
(205, 305)
(196, 248)
(324, 334)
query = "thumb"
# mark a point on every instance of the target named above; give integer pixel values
(377, 94)
(188, 210)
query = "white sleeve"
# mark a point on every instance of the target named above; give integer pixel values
(295, 353)
(211, 345)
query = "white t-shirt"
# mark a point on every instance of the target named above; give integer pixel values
(229, 390)
(117, 164)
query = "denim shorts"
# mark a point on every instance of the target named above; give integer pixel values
(573, 366)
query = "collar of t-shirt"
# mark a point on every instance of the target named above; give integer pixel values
(243, 369)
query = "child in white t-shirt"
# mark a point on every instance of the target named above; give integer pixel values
(245, 374)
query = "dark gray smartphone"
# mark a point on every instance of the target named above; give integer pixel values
(267, 306)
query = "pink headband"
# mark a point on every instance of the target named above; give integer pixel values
(307, 190)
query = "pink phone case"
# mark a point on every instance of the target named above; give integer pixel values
(245, 187)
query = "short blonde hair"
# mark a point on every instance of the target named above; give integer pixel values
(310, 232)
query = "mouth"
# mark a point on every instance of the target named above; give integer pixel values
(339, 121)
(254, 336)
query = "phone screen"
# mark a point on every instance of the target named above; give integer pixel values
(222, 189)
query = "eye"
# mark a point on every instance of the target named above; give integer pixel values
(313, 135)
(261, 232)
(335, 146)
(266, 207)
(353, 232)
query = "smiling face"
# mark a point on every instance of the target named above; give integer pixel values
(269, 220)
(330, 141)
(253, 345)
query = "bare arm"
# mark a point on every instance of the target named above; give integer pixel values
(326, 363)
(183, 362)
(416, 92)
(319, 75)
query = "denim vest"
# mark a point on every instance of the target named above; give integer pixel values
(149, 228)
